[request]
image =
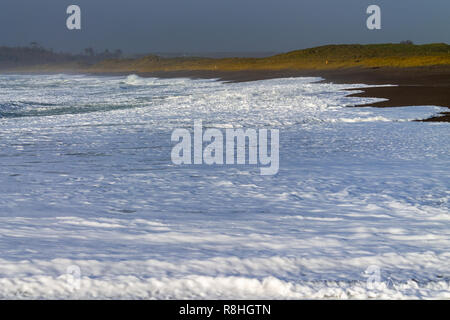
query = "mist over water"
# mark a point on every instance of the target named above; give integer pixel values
(87, 180)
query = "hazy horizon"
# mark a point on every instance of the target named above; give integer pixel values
(204, 26)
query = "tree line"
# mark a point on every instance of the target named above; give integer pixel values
(35, 54)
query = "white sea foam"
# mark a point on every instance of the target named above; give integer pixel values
(86, 180)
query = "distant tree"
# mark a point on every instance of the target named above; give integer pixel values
(118, 53)
(89, 52)
(407, 42)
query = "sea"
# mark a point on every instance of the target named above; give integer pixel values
(93, 207)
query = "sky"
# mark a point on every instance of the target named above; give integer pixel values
(142, 26)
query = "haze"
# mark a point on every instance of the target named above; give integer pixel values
(137, 26)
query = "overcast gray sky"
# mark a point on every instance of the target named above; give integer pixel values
(138, 26)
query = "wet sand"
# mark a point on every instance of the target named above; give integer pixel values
(413, 87)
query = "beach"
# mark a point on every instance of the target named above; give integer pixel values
(418, 75)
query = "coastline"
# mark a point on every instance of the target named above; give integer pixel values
(410, 86)
(419, 75)
(415, 86)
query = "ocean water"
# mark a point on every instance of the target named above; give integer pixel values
(91, 205)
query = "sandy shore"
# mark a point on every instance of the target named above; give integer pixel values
(413, 86)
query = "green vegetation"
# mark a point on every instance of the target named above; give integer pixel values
(325, 57)
(396, 55)
(34, 56)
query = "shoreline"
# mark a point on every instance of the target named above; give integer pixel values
(412, 86)
(415, 86)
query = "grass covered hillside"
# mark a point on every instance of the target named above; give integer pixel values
(325, 57)
(319, 58)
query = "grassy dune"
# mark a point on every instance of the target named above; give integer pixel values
(319, 58)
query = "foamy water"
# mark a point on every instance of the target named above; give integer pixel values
(87, 181)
